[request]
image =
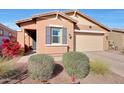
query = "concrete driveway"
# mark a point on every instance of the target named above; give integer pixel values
(114, 60)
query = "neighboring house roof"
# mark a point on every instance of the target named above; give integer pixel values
(117, 30)
(7, 29)
(46, 14)
(87, 17)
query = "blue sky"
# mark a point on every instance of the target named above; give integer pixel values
(111, 17)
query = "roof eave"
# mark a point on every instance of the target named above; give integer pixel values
(23, 21)
(94, 21)
(43, 15)
(52, 13)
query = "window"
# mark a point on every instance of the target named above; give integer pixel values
(56, 35)
(1, 32)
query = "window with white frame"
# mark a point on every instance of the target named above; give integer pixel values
(56, 35)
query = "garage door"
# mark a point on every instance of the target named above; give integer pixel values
(89, 42)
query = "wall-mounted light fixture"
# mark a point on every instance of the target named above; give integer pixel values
(90, 27)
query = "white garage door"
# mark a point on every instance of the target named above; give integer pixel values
(89, 42)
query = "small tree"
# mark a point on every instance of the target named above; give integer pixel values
(10, 47)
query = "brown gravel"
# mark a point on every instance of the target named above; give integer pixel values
(61, 77)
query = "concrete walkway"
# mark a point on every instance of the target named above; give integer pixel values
(114, 60)
(24, 59)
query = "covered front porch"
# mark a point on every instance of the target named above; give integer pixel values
(30, 40)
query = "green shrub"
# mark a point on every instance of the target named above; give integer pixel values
(98, 66)
(40, 67)
(7, 69)
(76, 64)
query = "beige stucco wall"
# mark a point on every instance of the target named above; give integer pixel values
(41, 35)
(87, 27)
(117, 38)
(28, 25)
(83, 21)
(20, 39)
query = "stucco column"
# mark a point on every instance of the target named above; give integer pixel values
(27, 39)
(41, 37)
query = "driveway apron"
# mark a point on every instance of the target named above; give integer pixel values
(114, 60)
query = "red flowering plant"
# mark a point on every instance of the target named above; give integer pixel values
(10, 47)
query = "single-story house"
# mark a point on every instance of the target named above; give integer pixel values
(116, 37)
(58, 32)
(6, 32)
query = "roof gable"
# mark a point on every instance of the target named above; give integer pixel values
(46, 15)
(75, 12)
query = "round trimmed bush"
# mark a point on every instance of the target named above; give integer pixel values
(40, 67)
(76, 64)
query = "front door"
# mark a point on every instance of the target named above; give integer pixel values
(33, 35)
